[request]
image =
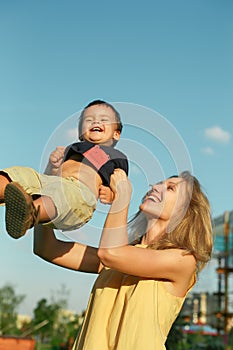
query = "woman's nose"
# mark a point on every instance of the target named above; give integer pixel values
(158, 187)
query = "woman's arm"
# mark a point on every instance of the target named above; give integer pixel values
(114, 251)
(168, 264)
(74, 256)
(115, 233)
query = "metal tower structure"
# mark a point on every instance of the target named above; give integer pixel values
(223, 252)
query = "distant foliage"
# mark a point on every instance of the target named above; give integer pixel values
(9, 303)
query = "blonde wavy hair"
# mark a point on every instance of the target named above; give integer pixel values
(193, 233)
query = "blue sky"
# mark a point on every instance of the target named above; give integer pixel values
(170, 59)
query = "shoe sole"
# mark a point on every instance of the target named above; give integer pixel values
(17, 206)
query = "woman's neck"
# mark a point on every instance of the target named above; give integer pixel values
(155, 229)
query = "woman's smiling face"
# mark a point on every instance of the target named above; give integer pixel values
(165, 199)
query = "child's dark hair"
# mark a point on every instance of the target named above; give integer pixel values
(98, 102)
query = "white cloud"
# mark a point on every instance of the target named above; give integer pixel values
(217, 134)
(208, 150)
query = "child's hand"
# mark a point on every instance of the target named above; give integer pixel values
(56, 157)
(106, 196)
(55, 160)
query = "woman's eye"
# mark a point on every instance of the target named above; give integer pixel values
(171, 188)
(150, 189)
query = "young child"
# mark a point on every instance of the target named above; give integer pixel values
(65, 196)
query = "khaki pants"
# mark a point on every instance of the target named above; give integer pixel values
(74, 201)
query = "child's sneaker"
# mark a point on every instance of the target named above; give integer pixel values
(21, 213)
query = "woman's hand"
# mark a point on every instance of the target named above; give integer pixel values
(121, 188)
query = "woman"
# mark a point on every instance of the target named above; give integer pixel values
(141, 287)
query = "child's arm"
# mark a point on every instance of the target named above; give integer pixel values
(55, 160)
(106, 195)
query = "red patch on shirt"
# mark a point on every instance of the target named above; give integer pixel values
(96, 156)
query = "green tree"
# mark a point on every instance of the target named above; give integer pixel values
(9, 303)
(44, 311)
(58, 325)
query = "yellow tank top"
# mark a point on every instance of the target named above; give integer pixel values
(127, 313)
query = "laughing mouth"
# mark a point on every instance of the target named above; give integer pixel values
(96, 128)
(155, 199)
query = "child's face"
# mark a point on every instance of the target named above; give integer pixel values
(99, 125)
